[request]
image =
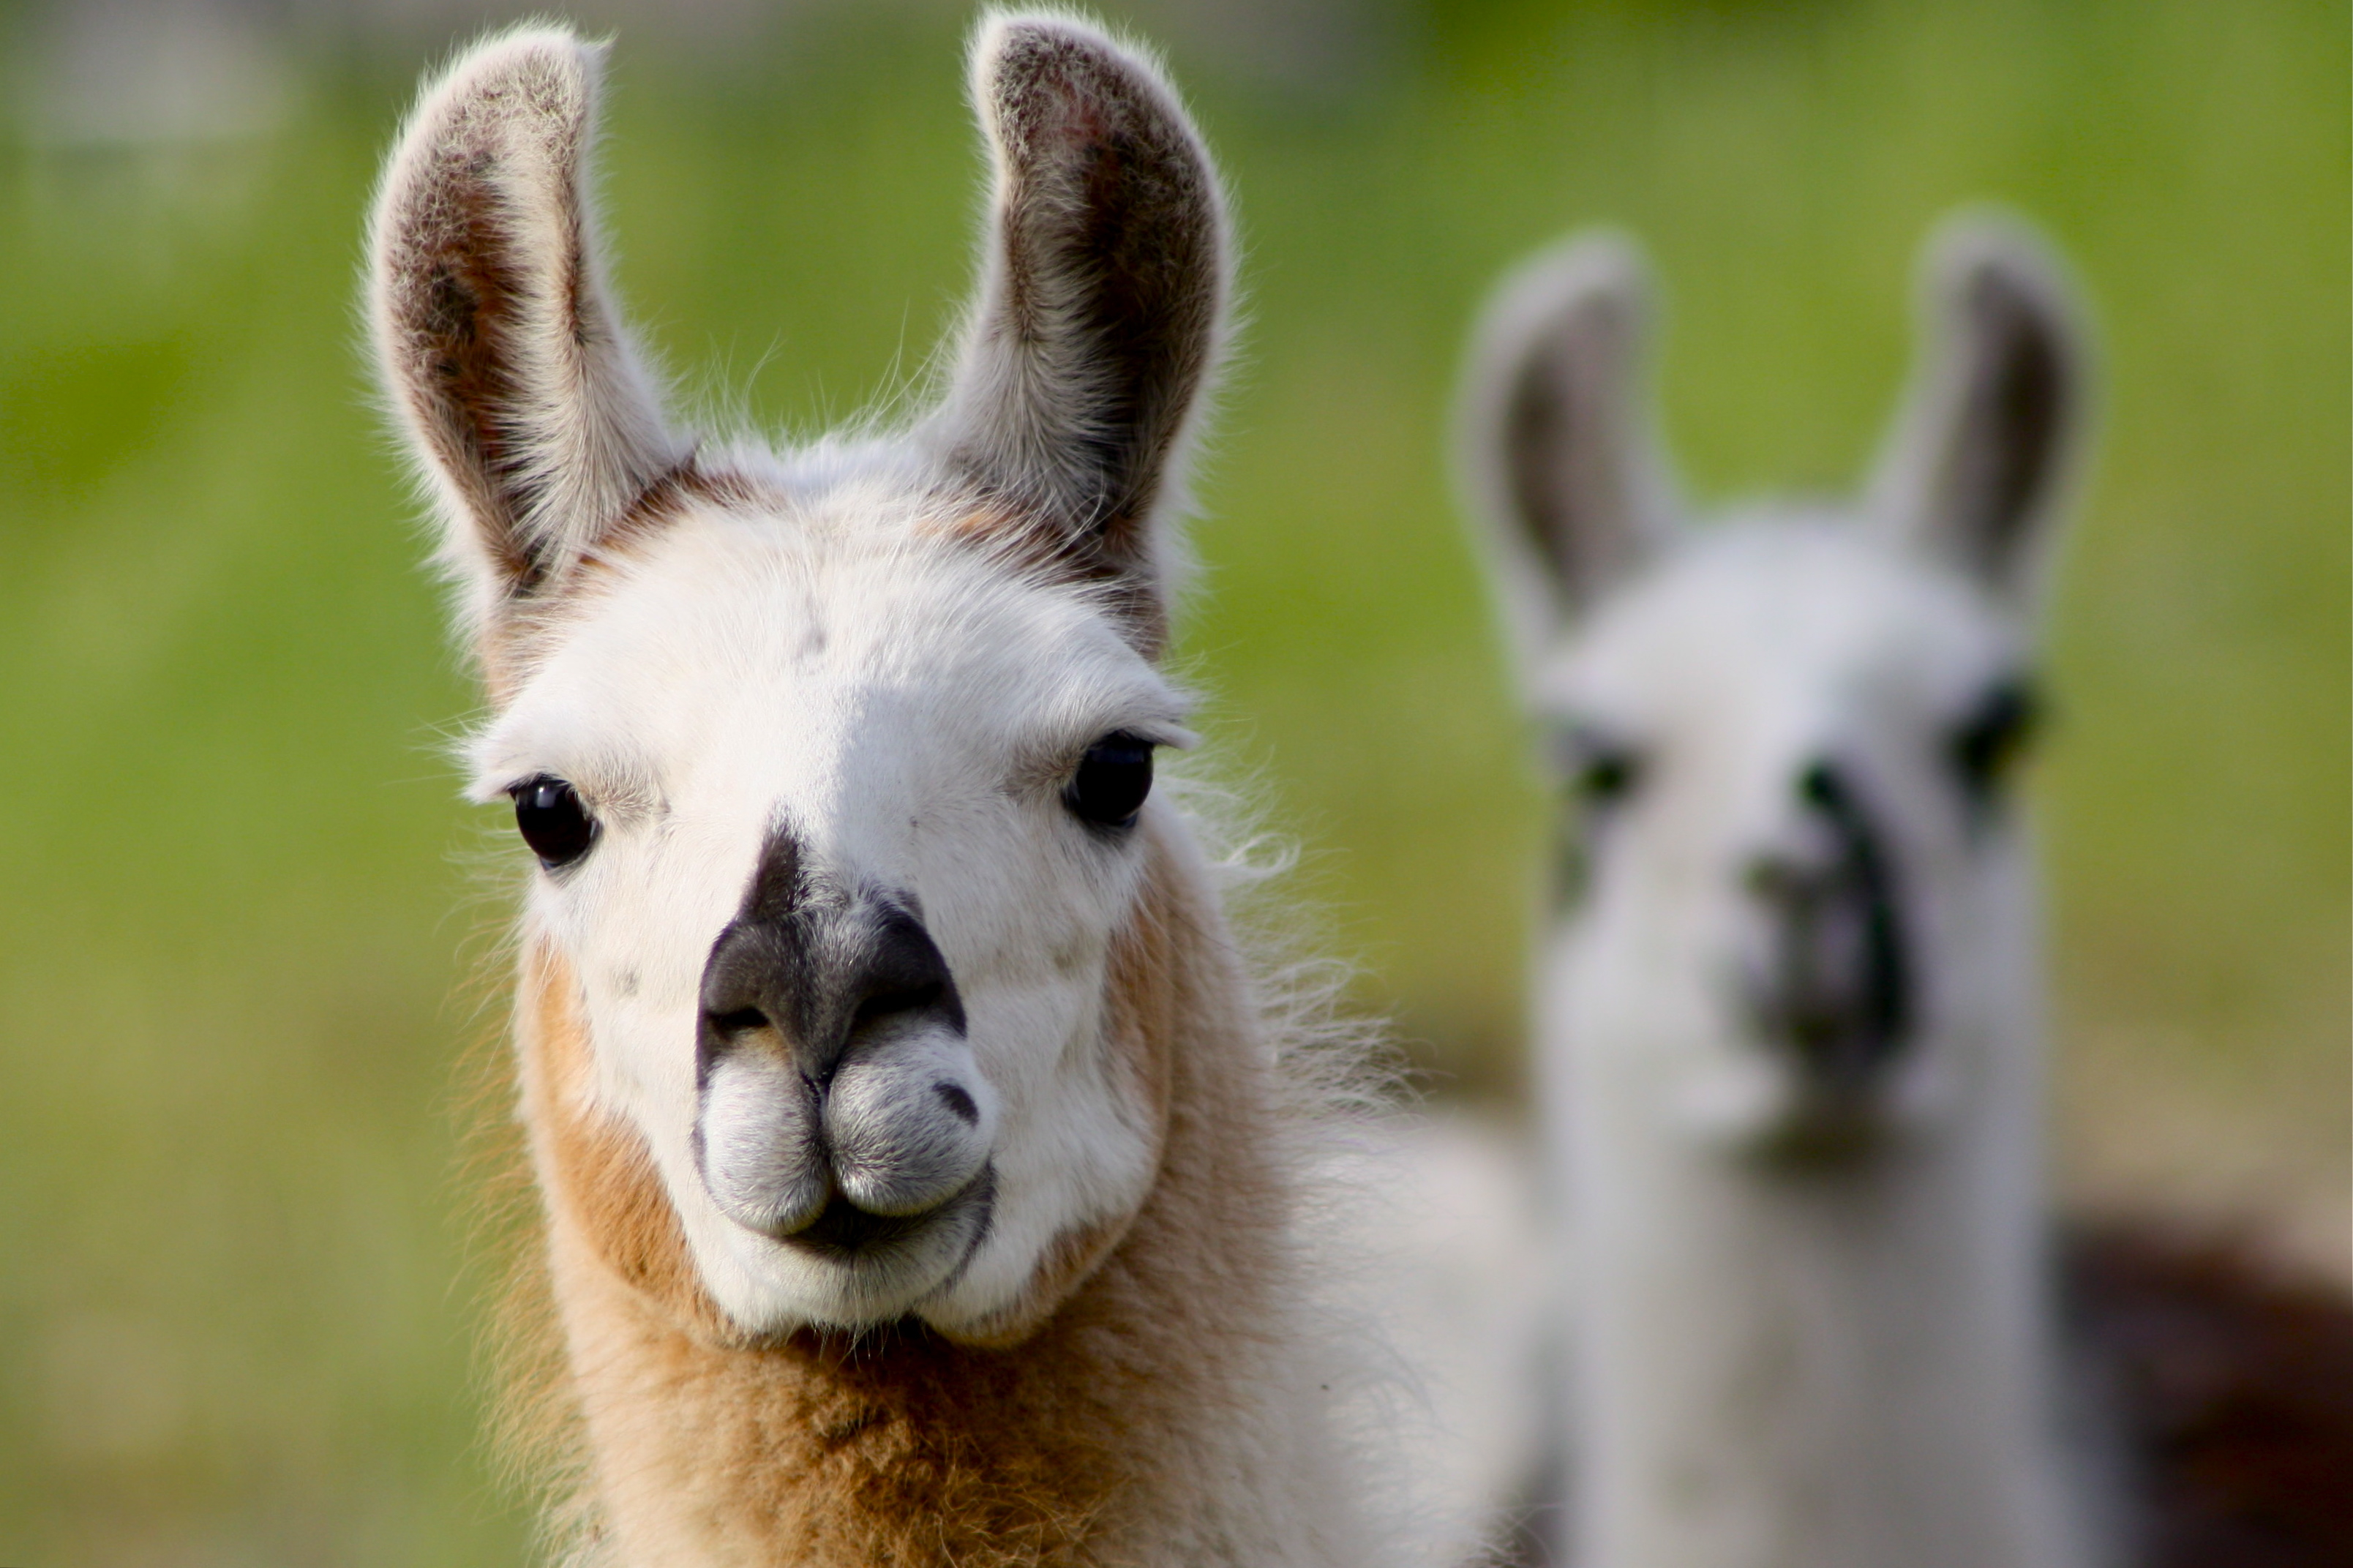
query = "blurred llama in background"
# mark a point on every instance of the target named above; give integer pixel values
(1790, 1043)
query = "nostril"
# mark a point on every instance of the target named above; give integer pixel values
(886, 1004)
(1821, 786)
(958, 1102)
(741, 1021)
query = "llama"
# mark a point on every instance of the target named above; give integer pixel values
(1790, 1054)
(920, 1165)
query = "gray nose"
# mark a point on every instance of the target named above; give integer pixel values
(813, 978)
(1836, 988)
(817, 1056)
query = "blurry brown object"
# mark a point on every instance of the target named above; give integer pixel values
(2233, 1374)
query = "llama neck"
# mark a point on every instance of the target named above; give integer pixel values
(1162, 1415)
(1826, 1369)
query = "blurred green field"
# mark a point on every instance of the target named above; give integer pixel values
(237, 900)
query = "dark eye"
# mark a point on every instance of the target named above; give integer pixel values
(553, 821)
(1985, 744)
(1112, 779)
(1600, 770)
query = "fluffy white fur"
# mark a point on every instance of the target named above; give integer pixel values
(1782, 1357)
(913, 710)
(892, 655)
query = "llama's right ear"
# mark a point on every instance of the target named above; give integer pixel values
(1102, 305)
(1558, 443)
(1978, 467)
(513, 379)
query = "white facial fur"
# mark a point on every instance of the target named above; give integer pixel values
(822, 708)
(1777, 694)
(1766, 646)
(1788, 1052)
(912, 710)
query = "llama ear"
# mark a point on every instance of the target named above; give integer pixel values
(1991, 429)
(1102, 303)
(1557, 439)
(514, 380)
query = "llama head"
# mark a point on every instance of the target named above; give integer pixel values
(1796, 913)
(836, 762)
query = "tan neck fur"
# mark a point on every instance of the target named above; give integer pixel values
(1143, 1421)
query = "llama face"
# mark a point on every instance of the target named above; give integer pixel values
(1795, 912)
(842, 927)
(837, 764)
(1794, 856)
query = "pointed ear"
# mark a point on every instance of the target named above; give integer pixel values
(1101, 306)
(1992, 429)
(512, 377)
(1556, 440)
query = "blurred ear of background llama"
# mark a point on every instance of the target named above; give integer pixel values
(1790, 1034)
(921, 1167)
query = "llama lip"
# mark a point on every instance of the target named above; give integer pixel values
(844, 1233)
(843, 1227)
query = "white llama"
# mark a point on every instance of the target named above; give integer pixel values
(1789, 1048)
(919, 1169)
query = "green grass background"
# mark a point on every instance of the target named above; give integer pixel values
(234, 907)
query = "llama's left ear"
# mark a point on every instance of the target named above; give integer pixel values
(1102, 304)
(1555, 439)
(1978, 470)
(515, 380)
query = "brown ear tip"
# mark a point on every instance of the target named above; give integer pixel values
(1015, 53)
(518, 48)
(1597, 281)
(1988, 259)
(1601, 273)
(535, 71)
(1040, 35)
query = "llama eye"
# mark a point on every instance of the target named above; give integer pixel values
(1984, 745)
(1112, 779)
(553, 821)
(1599, 769)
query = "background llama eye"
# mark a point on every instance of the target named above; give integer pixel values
(1599, 769)
(1112, 779)
(553, 821)
(1985, 744)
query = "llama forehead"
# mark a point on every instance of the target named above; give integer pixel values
(807, 651)
(1796, 624)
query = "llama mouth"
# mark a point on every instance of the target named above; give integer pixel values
(845, 1234)
(1827, 1134)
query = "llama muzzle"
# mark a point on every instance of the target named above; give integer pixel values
(837, 1097)
(1834, 993)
